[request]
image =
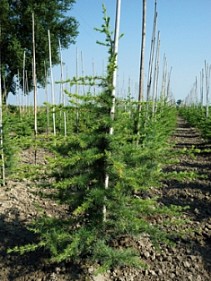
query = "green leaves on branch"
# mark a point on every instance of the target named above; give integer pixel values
(16, 37)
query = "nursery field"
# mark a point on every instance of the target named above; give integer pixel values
(100, 183)
(188, 258)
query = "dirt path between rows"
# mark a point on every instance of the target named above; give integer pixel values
(188, 260)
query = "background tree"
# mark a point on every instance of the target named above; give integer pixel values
(16, 37)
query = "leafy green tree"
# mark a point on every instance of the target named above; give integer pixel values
(16, 37)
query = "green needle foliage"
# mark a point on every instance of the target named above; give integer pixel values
(79, 168)
(196, 116)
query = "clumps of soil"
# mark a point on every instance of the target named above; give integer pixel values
(188, 260)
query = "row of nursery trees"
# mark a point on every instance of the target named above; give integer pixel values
(196, 106)
(56, 118)
(104, 168)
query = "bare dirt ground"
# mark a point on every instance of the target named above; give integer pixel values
(188, 260)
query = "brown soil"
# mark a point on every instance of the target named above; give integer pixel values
(189, 259)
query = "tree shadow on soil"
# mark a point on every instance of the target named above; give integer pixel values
(197, 196)
(199, 242)
(32, 265)
(184, 134)
(197, 167)
(199, 207)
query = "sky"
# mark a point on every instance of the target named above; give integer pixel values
(185, 38)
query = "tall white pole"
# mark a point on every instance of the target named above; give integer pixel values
(1, 125)
(62, 95)
(34, 77)
(116, 47)
(114, 80)
(35, 88)
(24, 62)
(52, 83)
(141, 74)
(143, 42)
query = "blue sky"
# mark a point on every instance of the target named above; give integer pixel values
(185, 35)
(184, 31)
